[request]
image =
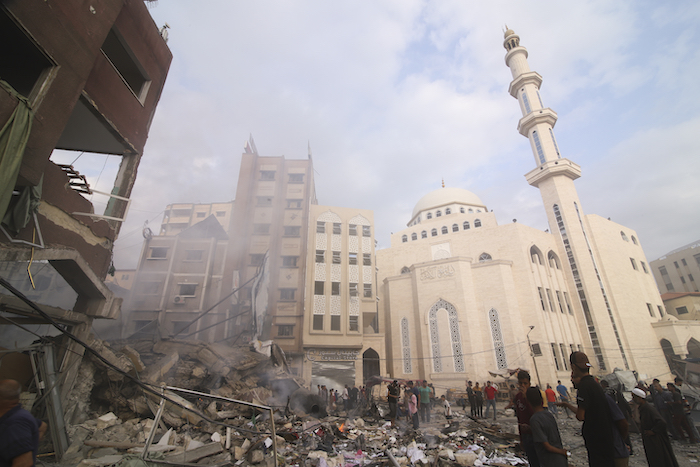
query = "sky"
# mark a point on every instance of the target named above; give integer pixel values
(393, 96)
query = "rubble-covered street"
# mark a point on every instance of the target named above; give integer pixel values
(110, 418)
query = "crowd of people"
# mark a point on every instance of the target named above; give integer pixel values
(607, 419)
(346, 400)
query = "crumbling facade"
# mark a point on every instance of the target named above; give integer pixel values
(80, 77)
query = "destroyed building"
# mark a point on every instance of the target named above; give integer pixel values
(271, 265)
(83, 78)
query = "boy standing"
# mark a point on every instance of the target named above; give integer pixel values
(545, 433)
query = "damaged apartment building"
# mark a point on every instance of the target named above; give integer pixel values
(273, 265)
(80, 77)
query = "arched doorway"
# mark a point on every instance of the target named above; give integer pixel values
(668, 352)
(693, 348)
(370, 364)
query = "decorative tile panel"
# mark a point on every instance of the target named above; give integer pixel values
(329, 216)
(359, 220)
(321, 241)
(455, 337)
(497, 337)
(319, 304)
(335, 242)
(320, 272)
(367, 244)
(354, 306)
(335, 305)
(406, 347)
(353, 273)
(353, 244)
(367, 274)
(335, 272)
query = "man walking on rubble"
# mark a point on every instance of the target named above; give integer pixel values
(524, 411)
(471, 398)
(490, 392)
(563, 396)
(424, 392)
(593, 411)
(20, 432)
(393, 399)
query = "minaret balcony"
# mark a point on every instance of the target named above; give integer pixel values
(553, 168)
(531, 77)
(547, 116)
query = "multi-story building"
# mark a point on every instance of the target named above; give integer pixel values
(178, 217)
(81, 77)
(678, 270)
(341, 327)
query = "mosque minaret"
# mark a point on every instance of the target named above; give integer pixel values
(554, 177)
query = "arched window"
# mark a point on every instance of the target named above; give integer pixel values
(455, 339)
(424, 234)
(624, 237)
(429, 216)
(444, 230)
(414, 236)
(404, 238)
(478, 210)
(433, 232)
(536, 255)
(405, 270)
(465, 226)
(477, 223)
(448, 211)
(553, 260)
(471, 210)
(485, 257)
(438, 213)
(634, 240)
(455, 228)
(461, 210)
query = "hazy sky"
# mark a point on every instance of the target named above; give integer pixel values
(394, 96)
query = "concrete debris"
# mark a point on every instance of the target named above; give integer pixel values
(122, 417)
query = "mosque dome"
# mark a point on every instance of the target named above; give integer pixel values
(447, 196)
(508, 33)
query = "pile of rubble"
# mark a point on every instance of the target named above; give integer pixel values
(111, 417)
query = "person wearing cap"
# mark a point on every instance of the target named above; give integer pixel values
(657, 446)
(593, 411)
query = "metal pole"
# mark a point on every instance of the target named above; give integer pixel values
(532, 354)
(155, 426)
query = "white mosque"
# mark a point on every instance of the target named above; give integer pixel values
(464, 297)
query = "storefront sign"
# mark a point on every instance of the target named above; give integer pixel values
(316, 355)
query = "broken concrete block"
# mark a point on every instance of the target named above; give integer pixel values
(256, 456)
(465, 458)
(107, 420)
(196, 454)
(238, 453)
(199, 372)
(157, 371)
(134, 358)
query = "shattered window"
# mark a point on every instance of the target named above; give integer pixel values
(285, 330)
(287, 294)
(354, 325)
(187, 290)
(267, 175)
(292, 231)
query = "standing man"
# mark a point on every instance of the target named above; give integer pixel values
(425, 393)
(551, 399)
(393, 399)
(678, 414)
(686, 407)
(523, 410)
(490, 391)
(472, 399)
(20, 432)
(346, 397)
(593, 411)
(563, 396)
(657, 446)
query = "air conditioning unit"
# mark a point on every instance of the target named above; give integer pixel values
(179, 299)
